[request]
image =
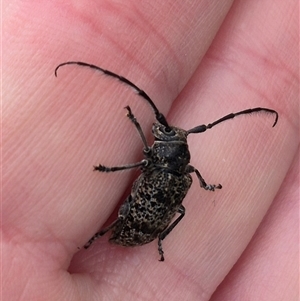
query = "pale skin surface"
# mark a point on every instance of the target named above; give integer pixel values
(238, 243)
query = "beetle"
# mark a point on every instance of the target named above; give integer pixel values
(157, 194)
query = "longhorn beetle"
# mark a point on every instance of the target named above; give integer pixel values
(157, 194)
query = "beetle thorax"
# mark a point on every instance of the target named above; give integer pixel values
(170, 148)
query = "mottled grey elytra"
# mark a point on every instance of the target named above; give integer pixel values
(157, 194)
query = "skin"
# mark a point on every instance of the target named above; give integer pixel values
(198, 61)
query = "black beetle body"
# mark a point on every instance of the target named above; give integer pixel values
(157, 195)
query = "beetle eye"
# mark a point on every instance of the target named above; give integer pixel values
(168, 131)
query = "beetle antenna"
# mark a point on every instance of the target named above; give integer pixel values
(159, 116)
(202, 128)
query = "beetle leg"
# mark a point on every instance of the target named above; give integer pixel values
(103, 168)
(203, 184)
(162, 235)
(100, 233)
(122, 214)
(138, 127)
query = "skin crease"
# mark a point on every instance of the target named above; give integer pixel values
(198, 61)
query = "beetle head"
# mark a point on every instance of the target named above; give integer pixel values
(168, 133)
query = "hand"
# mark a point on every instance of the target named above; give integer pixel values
(197, 62)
